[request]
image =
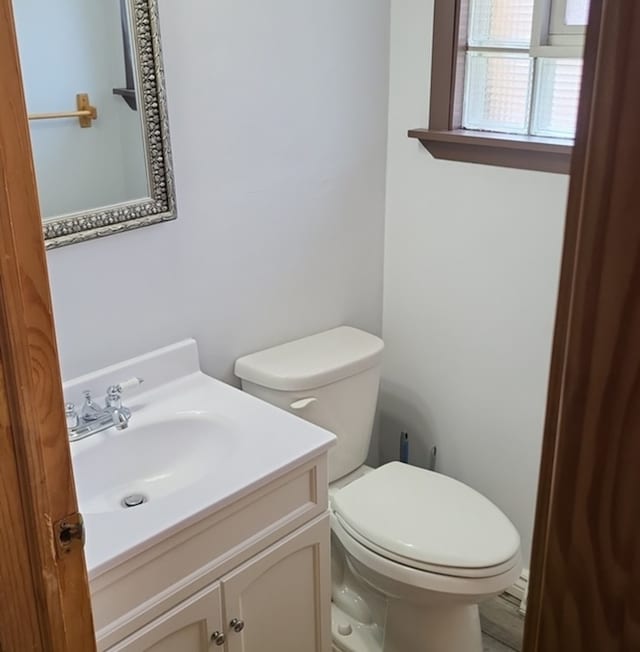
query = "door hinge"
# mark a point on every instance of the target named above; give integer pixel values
(69, 533)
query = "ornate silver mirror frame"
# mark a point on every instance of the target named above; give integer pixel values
(160, 206)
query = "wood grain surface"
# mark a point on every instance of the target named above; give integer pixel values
(37, 484)
(19, 621)
(585, 588)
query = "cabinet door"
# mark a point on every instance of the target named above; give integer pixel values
(185, 628)
(280, 599)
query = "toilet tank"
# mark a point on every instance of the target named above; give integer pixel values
(331, 379)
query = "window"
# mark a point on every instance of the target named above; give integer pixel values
(561, 22)
(508, 89)
(506, 78)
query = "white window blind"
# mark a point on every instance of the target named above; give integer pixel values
(509, 90)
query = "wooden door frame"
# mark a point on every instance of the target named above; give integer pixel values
(586, 548)
(587, 527)
(45, 595)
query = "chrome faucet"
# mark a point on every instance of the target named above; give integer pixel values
(93, 419)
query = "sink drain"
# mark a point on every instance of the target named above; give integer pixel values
(133, 500)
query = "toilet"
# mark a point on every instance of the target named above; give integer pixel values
(413, 552)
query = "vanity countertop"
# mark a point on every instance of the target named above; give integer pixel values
(194, 446)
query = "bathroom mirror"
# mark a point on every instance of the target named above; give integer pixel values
(94, 87)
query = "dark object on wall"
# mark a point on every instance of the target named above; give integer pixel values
(434, 458)
(404, 447)
(128, 93)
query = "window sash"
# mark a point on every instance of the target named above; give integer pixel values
(531, 121)
(551, 37)
(475, 117)
(557, 25)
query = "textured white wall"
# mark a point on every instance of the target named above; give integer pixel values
(67, 47)
(278, 116)
(471, 271)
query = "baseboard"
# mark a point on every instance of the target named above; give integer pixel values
(520, 590)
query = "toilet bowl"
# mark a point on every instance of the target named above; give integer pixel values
(430, 547)
(413, 552)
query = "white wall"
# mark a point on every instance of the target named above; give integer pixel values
(278, 115)
(69, 47)
(471, 270)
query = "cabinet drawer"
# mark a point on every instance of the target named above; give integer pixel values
(154, 581)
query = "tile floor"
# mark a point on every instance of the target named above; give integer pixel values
(502, 625)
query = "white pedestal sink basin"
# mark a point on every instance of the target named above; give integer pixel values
(193, 445)
(152, 460)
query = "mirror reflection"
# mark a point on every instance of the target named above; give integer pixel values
(79, 72)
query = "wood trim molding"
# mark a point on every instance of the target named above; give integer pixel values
(35, 464)
(445, 22)
(445, 138)
(497, 149)
(585, 572)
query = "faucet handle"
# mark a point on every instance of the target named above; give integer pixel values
(71, 415)
(114, 392)
(129, 384)
(90, 411)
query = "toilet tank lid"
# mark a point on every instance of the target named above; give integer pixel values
(312, 361)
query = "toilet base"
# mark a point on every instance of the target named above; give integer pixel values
(414, 628)
(410, 628)
(350, 635)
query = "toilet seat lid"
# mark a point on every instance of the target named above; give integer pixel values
(422, 517)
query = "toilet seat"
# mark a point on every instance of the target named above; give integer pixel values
(428, 522)
(397, 579)
(448, 571)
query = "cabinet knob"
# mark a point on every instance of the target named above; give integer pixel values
(217, 638)
(237, 625)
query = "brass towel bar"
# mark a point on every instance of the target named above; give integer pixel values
(85, 113)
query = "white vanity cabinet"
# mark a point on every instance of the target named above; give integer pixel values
(273, 602)
(254, 577)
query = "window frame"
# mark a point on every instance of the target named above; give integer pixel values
(445, 138)
(551, 37)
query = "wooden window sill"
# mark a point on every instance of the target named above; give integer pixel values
(505, 150)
